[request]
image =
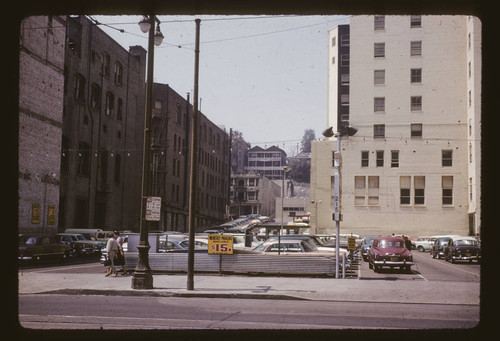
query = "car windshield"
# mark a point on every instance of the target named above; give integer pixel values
(465, 242)
(80, 237)
(387, 243)
(27, 240)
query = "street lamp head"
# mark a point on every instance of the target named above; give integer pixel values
(286, 169)
(328, 132)
(349, 131)
(158, 36)
(145, 24)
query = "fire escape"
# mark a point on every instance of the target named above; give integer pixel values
(159, 145)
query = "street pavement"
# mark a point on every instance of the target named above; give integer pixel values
(266, 287)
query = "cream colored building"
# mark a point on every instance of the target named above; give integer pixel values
(414, 95)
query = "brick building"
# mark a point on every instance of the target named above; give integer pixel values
(171, 126)
(102, 131)
(41, 85)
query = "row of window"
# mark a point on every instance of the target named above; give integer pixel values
(95, 97)
(446, 158)
(415, 130)
(379, 22)
(411, 190)
(415, 49)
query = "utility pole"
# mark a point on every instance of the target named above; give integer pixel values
(193, 184)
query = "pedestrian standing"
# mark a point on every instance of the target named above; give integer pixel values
(119, 240)
(112, 250)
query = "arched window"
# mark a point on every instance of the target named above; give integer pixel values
(110, 103)
(79, 87)
(95, 96)
(119, 112)
(118, 73)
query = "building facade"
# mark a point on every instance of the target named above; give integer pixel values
(41, 88)
(414, 96)
(267, 162)
(252, 193)
(102, 130)
(171, 127)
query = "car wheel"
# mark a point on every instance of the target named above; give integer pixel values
(433, 255)
(64, 257)
(370, 265)
(376, 268)
(421, 248)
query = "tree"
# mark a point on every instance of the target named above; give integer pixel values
(309, 136)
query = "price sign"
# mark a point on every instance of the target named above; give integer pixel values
(220, 244)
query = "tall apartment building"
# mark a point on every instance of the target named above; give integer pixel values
(41, 87)
(267, 162)
(102, 130)
(414, 95)
(171, 126)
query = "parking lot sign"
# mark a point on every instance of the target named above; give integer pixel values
(220, 244)
(351, 243)
(153, 208)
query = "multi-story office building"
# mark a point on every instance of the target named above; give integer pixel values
(414, 96)
(41, 85)
(171, 126)
(102, 130)
(267, 162)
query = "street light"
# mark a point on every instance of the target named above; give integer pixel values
(343, 131)
(286, 169)
(143, 277)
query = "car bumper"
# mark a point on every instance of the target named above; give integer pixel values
(393, 263)
(466, 257)
(25, 257)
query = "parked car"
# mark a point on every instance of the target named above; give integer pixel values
(81, 246)
(462, 249)
(389, 252)
(318, 244)
(423, 244)
(437, 249)
(34, 247)
(365, 246)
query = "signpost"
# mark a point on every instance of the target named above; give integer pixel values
(153, 208)
(351, 243)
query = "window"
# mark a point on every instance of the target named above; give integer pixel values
(416, 76)
(344, 99)
(380, 158)
(95, 96)
(379, 130)
(416, 129)
(119, 113)
(379, 77)
(447, 188)
(415, 21)
(404, 190)
(334, 41)
(416, 103)
(105, 64)
(379, 22)
(373, 191)
(416, 48)
(344, 60)
(379, 104)
(359, 190)
(419, 191)
(110, 103)
(364, 158)
(379, 49)
(345, 39)
(344, 79)
(79, 87)
(447, 158)
(394, 158)
(118, 73)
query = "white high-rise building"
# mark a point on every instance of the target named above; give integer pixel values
(414, 95)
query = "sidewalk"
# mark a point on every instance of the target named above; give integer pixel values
(229, 286)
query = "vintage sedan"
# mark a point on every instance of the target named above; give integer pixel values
(462, 249)
(34, 247)
(389, 252)
(81, 246)
(437, 248)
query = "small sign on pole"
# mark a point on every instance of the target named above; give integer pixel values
(153, 208)
(351, 243)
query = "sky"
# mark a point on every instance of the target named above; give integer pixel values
(265, 76)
